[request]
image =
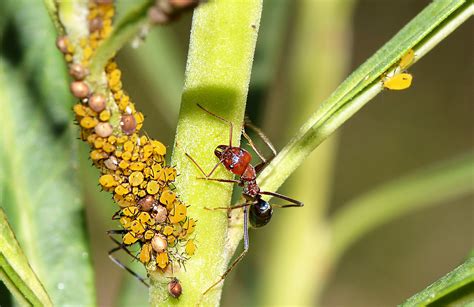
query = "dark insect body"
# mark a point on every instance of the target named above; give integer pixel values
(237, 160)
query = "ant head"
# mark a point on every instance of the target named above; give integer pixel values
(260, 213)
(220, 150)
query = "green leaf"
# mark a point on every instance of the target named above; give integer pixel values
(428, 28)
(40, 196)
(42, 64)
(15, 271)
(450, 289)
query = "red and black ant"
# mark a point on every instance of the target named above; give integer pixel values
(237, 160)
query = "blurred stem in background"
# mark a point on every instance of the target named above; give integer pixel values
(318, 60)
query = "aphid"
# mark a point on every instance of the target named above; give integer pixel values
(77, 71)
(97, 102)
(398, 82)
(128, 124)
(104, 129)
(237, 160)
(174, 288)
(79, 89)
(400, 79)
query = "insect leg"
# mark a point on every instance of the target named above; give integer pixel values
(294, 202)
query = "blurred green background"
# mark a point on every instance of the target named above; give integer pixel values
(395, 134)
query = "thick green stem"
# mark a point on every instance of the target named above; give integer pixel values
(223, 38)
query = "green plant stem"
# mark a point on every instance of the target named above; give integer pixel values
(317, 23)
(441, 183)
(223, 38)
(363, 85)
(460, 277)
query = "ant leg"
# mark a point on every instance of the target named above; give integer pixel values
(239, 258)
(228, 208)
(221, 180)
(222, 119)
(295, 203)
(200, 168)
(123, 266)
(118, 262)
(264, 138)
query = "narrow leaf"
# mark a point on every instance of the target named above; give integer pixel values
(439, 291)
(15, 271)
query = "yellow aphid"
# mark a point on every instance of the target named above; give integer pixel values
(178, 213)
(170, 173)
(190, 248)
(141, 193)
(145, 253)
(137, 227)
(107, 181)
(108, 147)
(80, 110)
(149, 234)
(152, 187)
(407, 59)
(129, 238)
(122, 139)
(121, 190)
(398, 82)
(148, 172)
(157, 170)
(99, 142)
(124, 164)
(147, 151)
(189, 225)
(130, 211)
(159, 147)
(162, 260)
(167, 230)
(167, 198)
(104, 115)
(143, 140)
(137, 166)
(139, 117)
(128, 146)
(125, 221)
(88, 122)
(126, 155)
(144, 218)
(136, 178)
(97, 155)
(112, 139)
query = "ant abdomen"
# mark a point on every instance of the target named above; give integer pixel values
(260, 213)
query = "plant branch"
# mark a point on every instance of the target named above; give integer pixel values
(364, 84)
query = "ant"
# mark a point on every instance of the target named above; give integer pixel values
(237, 160)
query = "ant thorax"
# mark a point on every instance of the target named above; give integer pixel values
(235, 159)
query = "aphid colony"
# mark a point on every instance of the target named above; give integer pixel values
(132, 166)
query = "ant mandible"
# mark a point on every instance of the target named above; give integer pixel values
(237, 160)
